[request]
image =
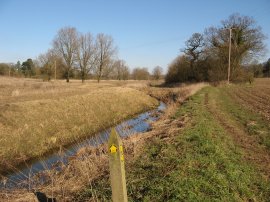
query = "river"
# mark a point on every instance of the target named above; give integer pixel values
(139, 124)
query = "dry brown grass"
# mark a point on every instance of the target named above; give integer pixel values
(36, 116)
(90, 163)
(176, 94)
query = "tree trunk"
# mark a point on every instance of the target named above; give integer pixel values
(99, 73)
(67, 76)
(83, 76)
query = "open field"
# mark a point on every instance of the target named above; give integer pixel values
(212, 147)
(255, 97)
(22, 89)
(36, 116)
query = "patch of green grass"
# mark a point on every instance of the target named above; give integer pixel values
(199, 164)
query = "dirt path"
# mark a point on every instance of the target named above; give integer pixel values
(253, 152)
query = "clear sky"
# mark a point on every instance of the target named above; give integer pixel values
(146, 32)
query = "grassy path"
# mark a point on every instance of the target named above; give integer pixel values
(211, 156)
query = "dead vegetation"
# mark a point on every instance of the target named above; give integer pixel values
(92, 163)
(174, 94)
(34, 120)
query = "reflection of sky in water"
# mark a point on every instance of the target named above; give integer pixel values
(126, 128)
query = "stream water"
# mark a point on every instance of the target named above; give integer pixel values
(140, 123)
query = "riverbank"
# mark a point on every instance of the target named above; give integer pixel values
(38, 117)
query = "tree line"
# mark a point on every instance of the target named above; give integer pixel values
(80, 56)
(117, 71)
(205, 55)
(83, 54)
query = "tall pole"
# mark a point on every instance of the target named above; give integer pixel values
(229, 65)
(55, 70)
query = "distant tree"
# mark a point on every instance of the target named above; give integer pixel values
(105, 50)
(121, 70)
(8, 69)
(140, 73)
(108, 71)
(18, 67)
(28, 68)
(206, 56)
(179, 70)
(255, 68)
(157, 72)
(194, 48)
(86, 54)
(246, 43)
(118, 64)
(266, 68)
(13, 70)
(47, 62)
(4, 69)
(66, 45)
(125, 72)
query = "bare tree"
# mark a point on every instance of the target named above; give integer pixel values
(121, 70)
(246, 42)
(193, 49)
(65, 44)
(85, 55)
(125, 73)
(47, 63)
(194, 46)
(140, 73)
(108, 69)
(179, 70)
(157, 72)
(105, 50)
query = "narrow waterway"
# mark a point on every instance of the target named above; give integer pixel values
(139, 124)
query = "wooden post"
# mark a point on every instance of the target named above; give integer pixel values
(117, 168)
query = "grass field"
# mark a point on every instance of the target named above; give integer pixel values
(217, 150)
(36, 116)
(213, 147)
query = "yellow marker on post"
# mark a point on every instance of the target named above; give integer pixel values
(113, 149)
(117, 168)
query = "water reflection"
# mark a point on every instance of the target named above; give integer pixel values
(136, 125)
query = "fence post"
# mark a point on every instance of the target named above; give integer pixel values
(117, 168)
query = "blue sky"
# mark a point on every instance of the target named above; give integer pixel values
(146, 32)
